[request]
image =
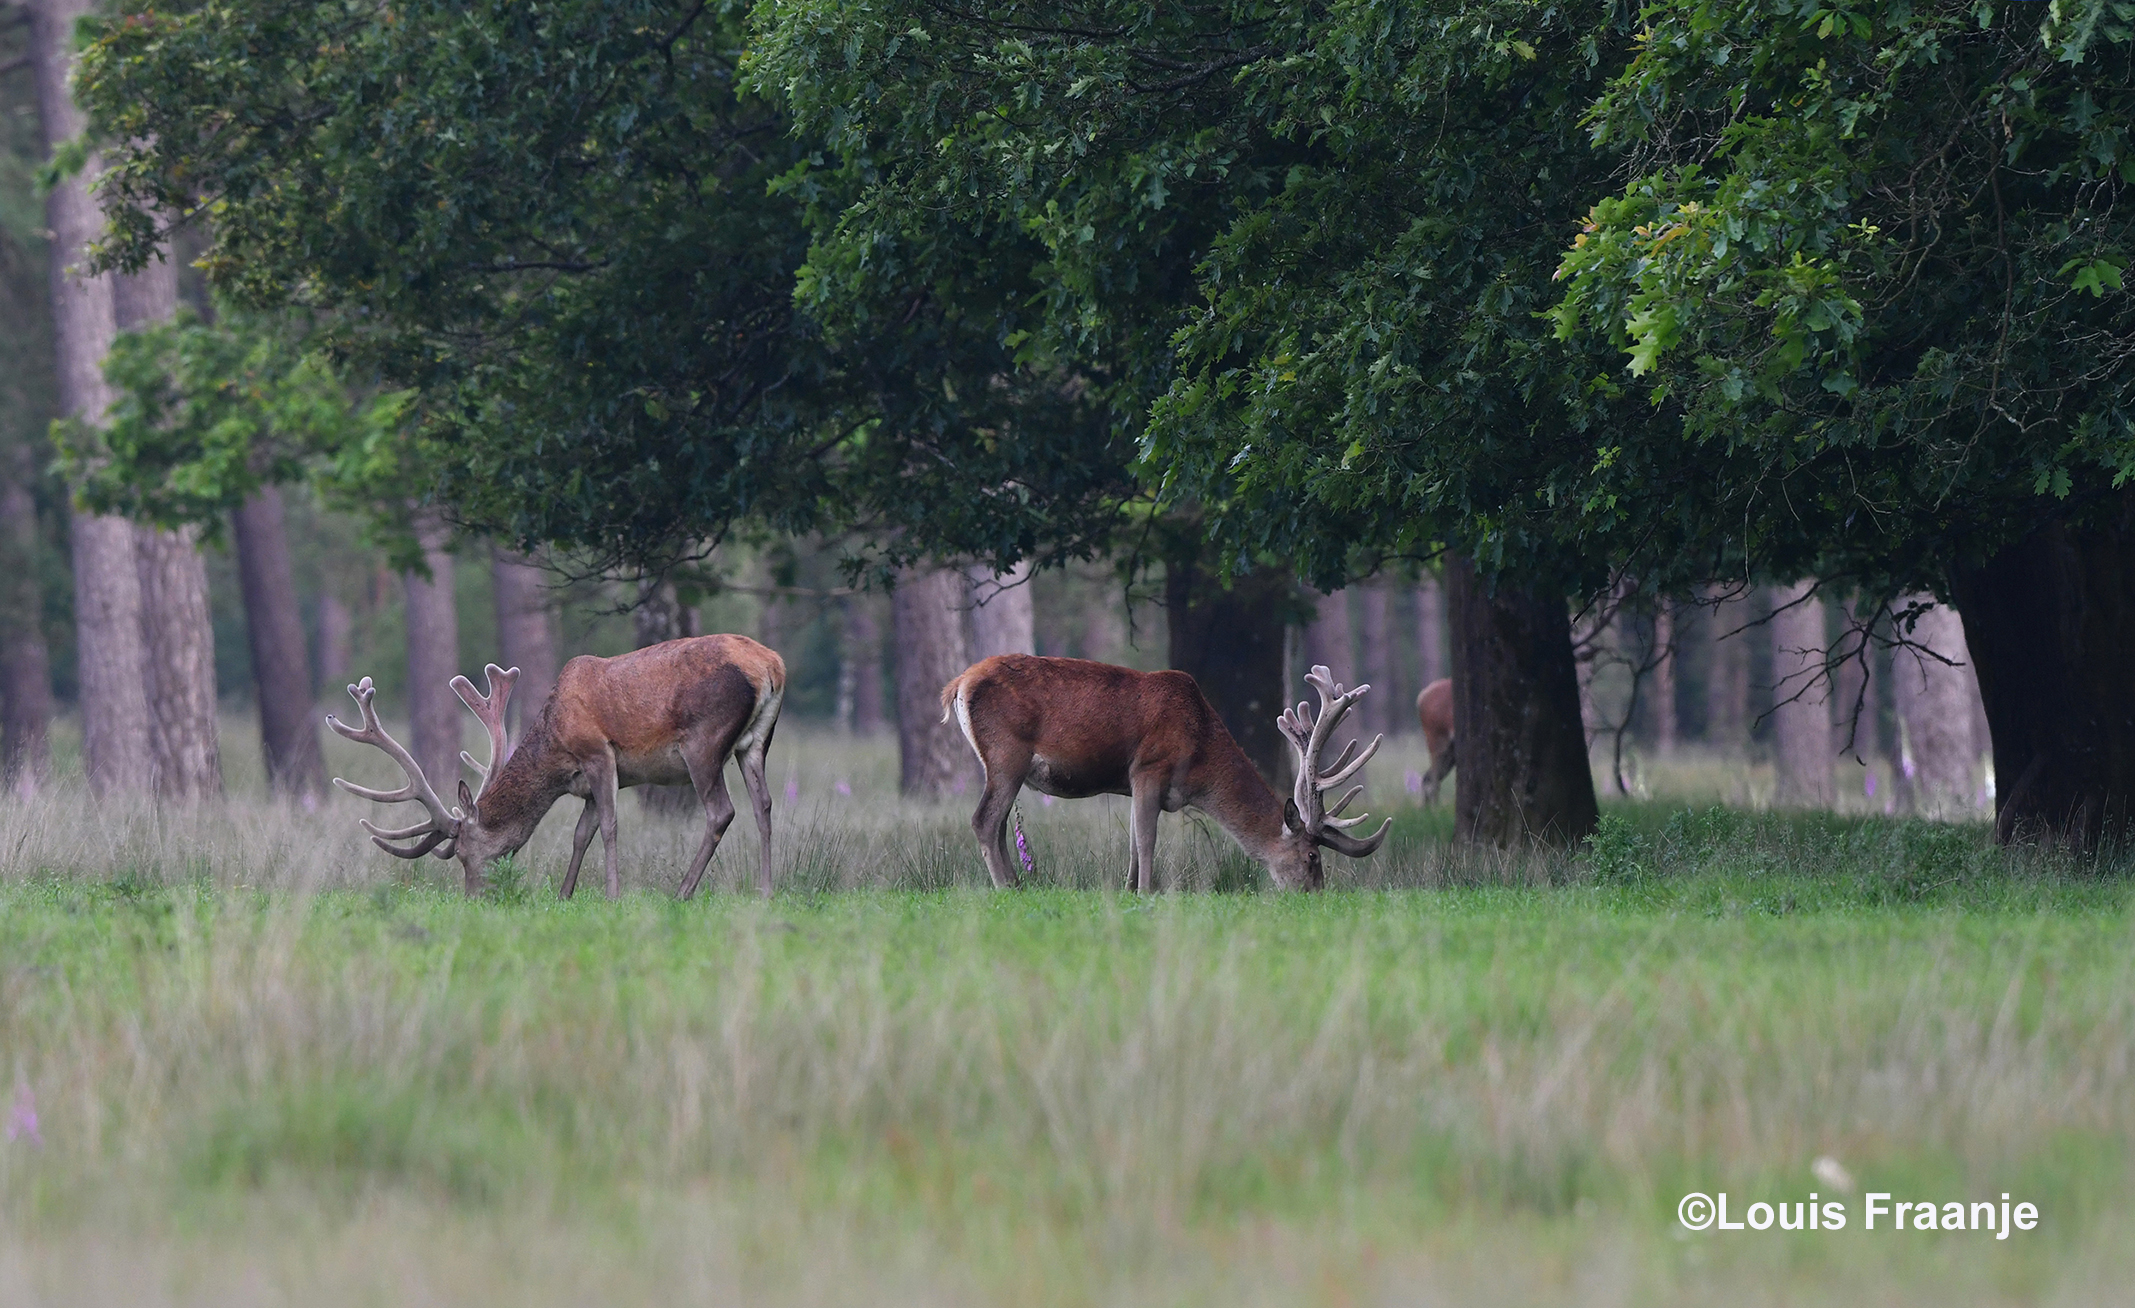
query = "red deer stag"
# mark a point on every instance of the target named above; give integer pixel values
(669, 714)
(1072, 728)
(1434, 712)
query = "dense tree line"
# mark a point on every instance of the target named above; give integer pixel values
(1566, 302)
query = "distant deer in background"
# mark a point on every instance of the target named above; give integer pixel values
(665, 715)
(1434, 712)
(1073, 728)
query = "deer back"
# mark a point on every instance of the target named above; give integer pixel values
(1107, 721)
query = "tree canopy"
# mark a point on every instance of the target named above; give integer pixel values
(556, 226)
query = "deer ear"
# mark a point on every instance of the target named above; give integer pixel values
(466, 796)
(1291, 818)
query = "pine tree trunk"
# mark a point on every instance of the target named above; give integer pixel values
(337, 641)
(1431, 660)
(1523, 774)
(25, 663)
(860, 668)
(1231, 642)
(433, 659)
(2049, 623)
(116, 751)
(281, 671)
(178, 636)
(1934, 702)
(1802, 750)
(526, 633)
(1002, 618)
(1376, 663)
(927, 620)
(1661, 694)
(1727, 677)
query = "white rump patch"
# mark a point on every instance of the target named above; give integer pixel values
(768, 699)
(962, 707)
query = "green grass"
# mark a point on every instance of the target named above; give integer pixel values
(271, 1069)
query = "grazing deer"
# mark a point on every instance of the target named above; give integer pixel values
(1072, 728)
(664, 715)
(1434, 712)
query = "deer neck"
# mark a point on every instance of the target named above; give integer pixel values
(525, 787)
(1231, 790)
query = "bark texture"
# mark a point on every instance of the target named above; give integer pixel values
(25, 663)
(433, 660)
(1802, 746)
(1939, 757)
(1002, 618)
(927, 620)
(281, 670)
(526, 633)
(1523, 774)
(1376, 663)
(860, 668)
(337, 641)
(1231, 642)
(1431, 661)
(116, 751)
(178, 639)
(1727, 677)
(1662, 691)
(2049, 623)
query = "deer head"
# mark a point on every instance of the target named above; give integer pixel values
(456, 831)
(1308, 823)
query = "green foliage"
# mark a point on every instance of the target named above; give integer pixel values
(554, 224)
(209, 412)
(1876, 254)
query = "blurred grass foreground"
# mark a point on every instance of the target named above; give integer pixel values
(245, 1059)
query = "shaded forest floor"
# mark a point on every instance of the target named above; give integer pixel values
(268, 1066)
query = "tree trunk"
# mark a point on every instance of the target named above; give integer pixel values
(25, 664)
(1231, 642)
(1802, 750)
(281, 672)
(2049, 623)
(178, 636)
(1727, 678)
(1934, 702)
(526, 633)
(337, 641)
(860, 668)
(1523, 774)
(433, 659)
(927, 617)
(1002, 619)
(1376, 663)
(116, 751)
(1431, 661)
(1662, 692)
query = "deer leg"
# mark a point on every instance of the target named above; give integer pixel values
(989, 821)
(579, 840)
(601, 773)
(710, 780)
(751, 761)
(1441, 764)
(1148, 801)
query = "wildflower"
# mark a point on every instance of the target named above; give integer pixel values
(22, 1120)
(1023, 846)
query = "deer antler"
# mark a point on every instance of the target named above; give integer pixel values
(1308, 737)
(490, 709)
(443, 826)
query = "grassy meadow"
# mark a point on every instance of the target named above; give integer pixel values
(269, 1065)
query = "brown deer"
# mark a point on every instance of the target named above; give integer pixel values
(665, 715)
(1072, 728)
(1434, 713)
